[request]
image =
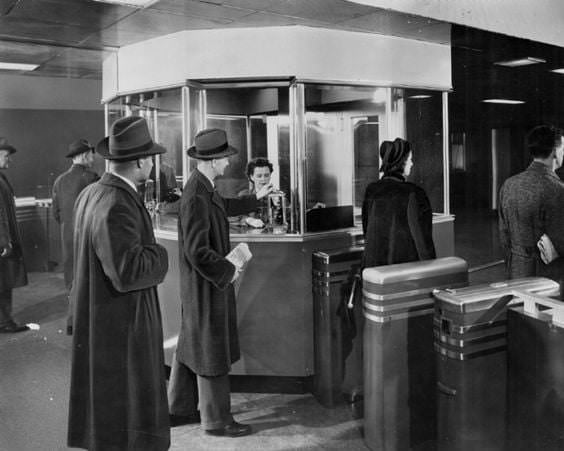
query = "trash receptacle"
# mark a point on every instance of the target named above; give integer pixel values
(337, 329)
(535, 376)
(471, 343)
(399, 371)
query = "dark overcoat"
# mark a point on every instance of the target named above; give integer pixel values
(208, 342)
(531, 203)
(397, 221)
(12, 267)
(118, 395)
(66, 189)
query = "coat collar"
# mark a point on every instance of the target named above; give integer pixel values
(6, 181)
(394, 176)
(540, 168)
(215, 197)
(110, 179)
(204, 180)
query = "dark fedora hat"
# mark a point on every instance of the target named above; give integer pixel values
(129, 140)
(79, 146)
(5, 146)
(209, 144)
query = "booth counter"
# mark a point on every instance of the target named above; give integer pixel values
(275, 298)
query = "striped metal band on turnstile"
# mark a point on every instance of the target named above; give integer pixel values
(471, 322)
(404, 299)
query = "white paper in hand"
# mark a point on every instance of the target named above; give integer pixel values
(547, 251)
(240, 255)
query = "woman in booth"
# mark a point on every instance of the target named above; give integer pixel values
(396, 214)
(259, 171)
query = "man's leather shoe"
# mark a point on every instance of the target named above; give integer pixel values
(232, 430)
(180, 420)
(13, 328)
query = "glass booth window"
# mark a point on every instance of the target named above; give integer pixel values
(344, 126)
(257, 125)
(163, 112)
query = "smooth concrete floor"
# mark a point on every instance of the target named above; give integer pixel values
(35, 368)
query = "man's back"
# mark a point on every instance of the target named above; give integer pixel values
(118, 393)
(66, 189)
(529, 206)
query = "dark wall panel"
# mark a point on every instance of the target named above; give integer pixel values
(42, 138)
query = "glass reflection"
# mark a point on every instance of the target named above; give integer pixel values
(343, 129)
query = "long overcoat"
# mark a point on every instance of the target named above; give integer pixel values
(118, 395)
(397, 222)
(66, 189)
(12, 267)
(531, 203)
(208, 342)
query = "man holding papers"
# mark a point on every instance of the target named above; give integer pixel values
(208, 341)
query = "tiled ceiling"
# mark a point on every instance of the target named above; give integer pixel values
(71, 38)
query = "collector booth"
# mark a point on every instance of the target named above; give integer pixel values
(319, 119)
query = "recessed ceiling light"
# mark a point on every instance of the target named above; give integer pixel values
(18, 66)
(520, 62)
(135, 3)
(558, 71)
(504, 101)
(420, 96)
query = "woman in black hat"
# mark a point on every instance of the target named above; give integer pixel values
(396, 214)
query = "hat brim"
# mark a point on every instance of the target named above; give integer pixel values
(74, 153)
(103, 149)
(10, 149)
(193, 153)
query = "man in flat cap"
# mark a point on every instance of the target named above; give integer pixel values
(118, 387)
(66, 189)
(12, 268)
(208, 342)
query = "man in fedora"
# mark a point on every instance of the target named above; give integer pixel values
(66, 189)
(118, 392)
(208, 341)
(12, 268)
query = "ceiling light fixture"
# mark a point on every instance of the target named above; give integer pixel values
(420, 96)
(558, 71)
(134, 3)
(504, 101)
(18, 66)
(520, 62)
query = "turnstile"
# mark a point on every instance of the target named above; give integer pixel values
(535, 378)
(399, 370)
(337, 326)
(471, 343)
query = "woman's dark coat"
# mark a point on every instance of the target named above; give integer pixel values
(12, 268)
(66, 189)
(397, 222)
(208, 343)
(118, 394)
